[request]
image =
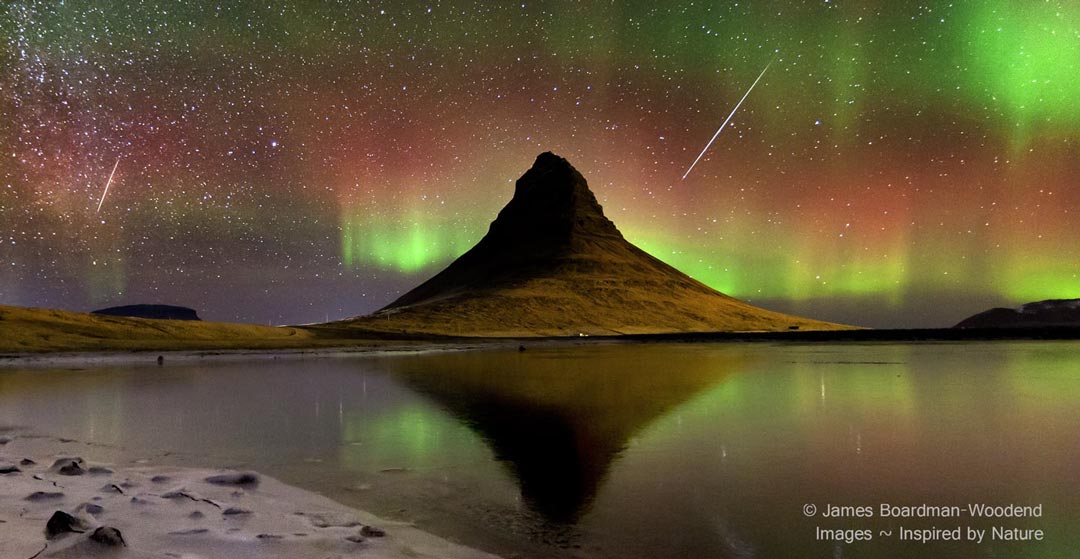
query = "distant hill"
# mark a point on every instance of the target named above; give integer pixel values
(167, 312)
(1053, 312)
(552, 264)
(33, 330)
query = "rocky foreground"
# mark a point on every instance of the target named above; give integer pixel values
(64, 506)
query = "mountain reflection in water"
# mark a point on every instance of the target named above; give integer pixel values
(558, 424)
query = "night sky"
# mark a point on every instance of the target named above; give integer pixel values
(899, 164)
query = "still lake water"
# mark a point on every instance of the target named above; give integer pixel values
(658, 450)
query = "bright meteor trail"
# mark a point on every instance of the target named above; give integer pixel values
(718, 130)
(108, 182)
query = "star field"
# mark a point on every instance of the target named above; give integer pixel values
(900, 164)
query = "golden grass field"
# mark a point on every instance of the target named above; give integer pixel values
(24, 330)
(601, 287)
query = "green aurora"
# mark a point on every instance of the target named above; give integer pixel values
(898, 165)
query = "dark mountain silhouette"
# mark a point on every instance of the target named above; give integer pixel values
(1053, 312)
(553, 264)
(169, 312)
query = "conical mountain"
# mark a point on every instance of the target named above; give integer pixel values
(552, 264)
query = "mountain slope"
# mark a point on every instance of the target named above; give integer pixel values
(25, 329)
(1054, 312)
(552, 264)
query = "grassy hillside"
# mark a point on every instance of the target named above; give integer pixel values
(551, 264)
(44, 330)
(604, 287)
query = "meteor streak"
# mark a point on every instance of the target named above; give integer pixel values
(107, 183)
(718, 130)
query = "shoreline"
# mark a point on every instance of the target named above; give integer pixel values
(149, 357)
(416, 346)
(167, 511)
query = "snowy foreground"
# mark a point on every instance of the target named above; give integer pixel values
(57, 505)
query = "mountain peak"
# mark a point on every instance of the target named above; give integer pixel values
(549, 162)
(548, 170)
(552, 264)
(552, 203)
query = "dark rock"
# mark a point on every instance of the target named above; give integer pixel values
(62, 523)
(235, 511)
(98, 471)
(159, 479)
(269, 536)
(69, 466)
(72, 469)
(196, 515)
(521, 348)
(332, 520)
(109, 536)
(189, 532)
(238, 478)
(112, 488)
(4, 440)
(161, 312)
(39, 496)
(9, 469)
(27, 462)
(372, 532)
(160, 359)
(92, 508)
